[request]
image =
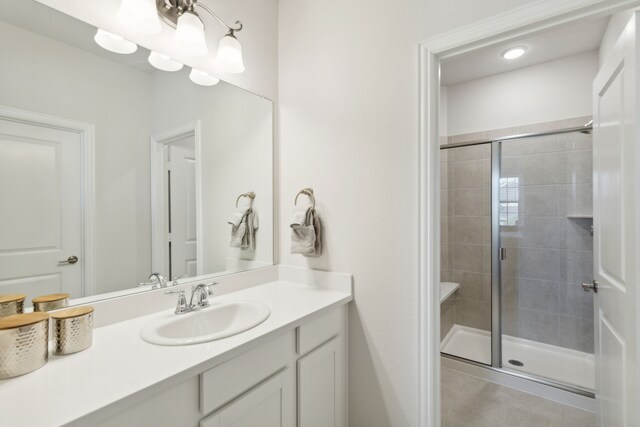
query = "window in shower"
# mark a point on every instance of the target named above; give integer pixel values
(509, 198)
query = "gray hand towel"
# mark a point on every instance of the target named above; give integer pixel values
(307, 238)
(243, 235)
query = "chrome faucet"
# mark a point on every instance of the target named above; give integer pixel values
(200, 292)
(158, 281)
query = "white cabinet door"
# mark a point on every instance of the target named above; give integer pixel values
(266, 405)
(321, 387)
(616, 220)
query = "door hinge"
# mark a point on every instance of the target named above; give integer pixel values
(503, 254)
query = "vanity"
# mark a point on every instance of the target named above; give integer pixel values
(289, 370)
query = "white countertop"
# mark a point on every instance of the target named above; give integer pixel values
(121, 365)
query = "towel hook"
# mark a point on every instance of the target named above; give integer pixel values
(251, 195)
(308, 192)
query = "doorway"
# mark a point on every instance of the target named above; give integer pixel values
(175, 177)
(510, 27)
(46, 184)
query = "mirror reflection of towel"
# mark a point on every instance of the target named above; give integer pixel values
(243, 235)
(306, 239)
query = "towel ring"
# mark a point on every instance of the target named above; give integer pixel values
(307, 192)
(251, 195)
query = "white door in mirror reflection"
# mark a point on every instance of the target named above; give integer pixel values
(41, 208)
(182, 241)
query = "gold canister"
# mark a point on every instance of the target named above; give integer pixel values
(50, 302)
(11, 304)
(72, 330)
(24, 343)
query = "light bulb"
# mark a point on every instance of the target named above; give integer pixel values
(229, 55)
(202, 78)
(114, 43)
(514, 52)
(190, 34)
(140, 15)
(163, 62)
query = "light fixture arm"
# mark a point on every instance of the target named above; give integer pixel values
(212, 13)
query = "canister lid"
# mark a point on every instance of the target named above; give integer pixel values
(20, 320)
(72, 312)
(50, 298)
(11, 298)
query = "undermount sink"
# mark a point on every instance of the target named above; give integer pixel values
(219, 320)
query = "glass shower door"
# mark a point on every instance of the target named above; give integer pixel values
(546, 251)
(466, 252)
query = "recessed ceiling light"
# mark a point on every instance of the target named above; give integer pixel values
(514, 52)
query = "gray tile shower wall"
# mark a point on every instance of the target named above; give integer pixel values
(466, 182)
(549, 249)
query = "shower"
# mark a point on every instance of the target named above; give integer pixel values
(516, 218)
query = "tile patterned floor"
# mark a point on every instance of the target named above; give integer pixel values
(470, 401)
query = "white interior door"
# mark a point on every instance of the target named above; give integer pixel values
(616, 153)
(182, 207)
(41, 214)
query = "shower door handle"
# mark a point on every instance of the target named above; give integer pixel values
(590, 287)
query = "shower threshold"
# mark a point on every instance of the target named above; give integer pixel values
(565, 366)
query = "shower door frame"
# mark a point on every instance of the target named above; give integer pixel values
(496, 267)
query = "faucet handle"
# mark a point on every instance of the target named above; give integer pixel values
(175, 279)
(181, 306)
(209, 286)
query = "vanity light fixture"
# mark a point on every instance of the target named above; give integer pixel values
(203, 79)
(114, 43)
(140, 15)
(163, 62)
(514, 52)
(190, 30)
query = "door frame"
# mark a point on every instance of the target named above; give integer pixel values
(86, 131)
(159, 217)
(516, 23)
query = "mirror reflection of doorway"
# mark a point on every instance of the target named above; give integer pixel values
(174, 201)
(45, 186)
(180, 165)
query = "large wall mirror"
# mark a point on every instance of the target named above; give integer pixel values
(111, 170)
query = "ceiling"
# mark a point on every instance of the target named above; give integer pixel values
(582, 36)
(40, 19)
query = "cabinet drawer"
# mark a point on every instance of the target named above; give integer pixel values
(264, 406)
(318, 331)
(232, 378)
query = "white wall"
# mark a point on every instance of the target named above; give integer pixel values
(33, 77)
(553, 90)
(237, 132)
(348, 99)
